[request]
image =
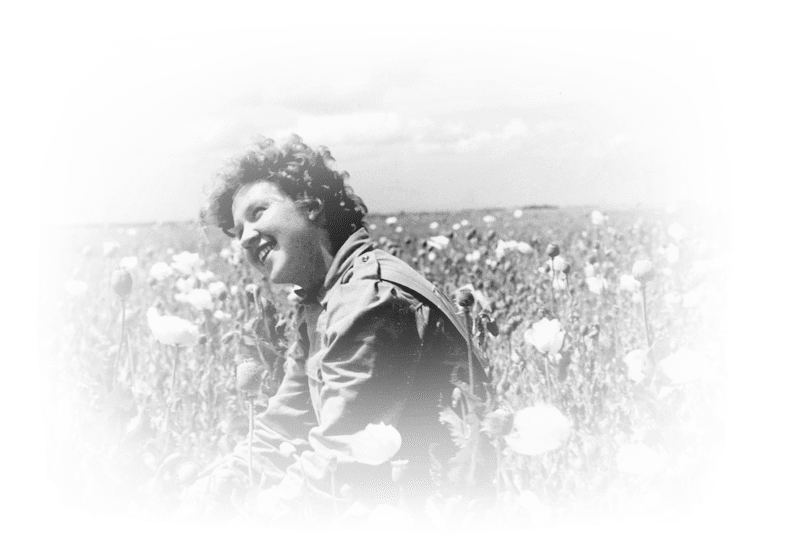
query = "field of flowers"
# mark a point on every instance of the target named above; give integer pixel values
(603, 332)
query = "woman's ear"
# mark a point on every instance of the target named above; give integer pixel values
(314, 207)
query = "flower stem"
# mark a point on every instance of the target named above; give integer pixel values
(553, 286)
(250, 442)
(119, 348)
(547, 377)
(644, 313)
(170, 396)
(469, 351)
(498, 445)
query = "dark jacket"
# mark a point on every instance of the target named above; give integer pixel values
(371, 348)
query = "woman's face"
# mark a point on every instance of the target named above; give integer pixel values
(280, 239)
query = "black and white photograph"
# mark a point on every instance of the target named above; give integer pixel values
(394, 274)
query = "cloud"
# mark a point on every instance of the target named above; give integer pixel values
(355, 128)
(456, 138)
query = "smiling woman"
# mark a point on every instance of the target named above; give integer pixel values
(376, 344)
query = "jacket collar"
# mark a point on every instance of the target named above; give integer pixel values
(354, 246)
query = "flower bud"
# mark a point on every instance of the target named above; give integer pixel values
(465, 298)
(553, 250)
(498, 423)
(121, 282)
(187, 473)
(248, 377)
(251, 290)
(643, 271)
(398, 469)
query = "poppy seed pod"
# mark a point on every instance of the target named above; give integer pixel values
(465, 298)
(187, 473)
(643, 271)
(498, 423)
(121, 282)
(553, 250)
(248, 377)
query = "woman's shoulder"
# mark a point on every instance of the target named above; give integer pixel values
(369, 280)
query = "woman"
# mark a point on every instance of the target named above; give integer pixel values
(376, 342)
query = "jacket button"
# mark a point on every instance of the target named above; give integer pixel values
(364, 258)
(319, 374)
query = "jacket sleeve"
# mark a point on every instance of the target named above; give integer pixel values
(363, 374)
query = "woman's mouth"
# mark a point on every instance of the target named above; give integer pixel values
(264, 250)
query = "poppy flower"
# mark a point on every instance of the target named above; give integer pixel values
(627, 283)
(538, 429)
(546, 336)
(438, 242)
(160, 271)
(200, 298)
(374, 445)
(76, 288)
(187, 262)
(171, 330)
(596, 284)
(636, 362)
(639, 459)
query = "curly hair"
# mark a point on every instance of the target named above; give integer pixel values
(300, 172)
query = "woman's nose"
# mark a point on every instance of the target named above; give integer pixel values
(250, 236)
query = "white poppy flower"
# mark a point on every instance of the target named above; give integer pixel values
(488, 218)
(391, 220)
(627, 283)
(187, 262)
(438, 242)
(597, 217)
(220, 315)
(518, 213)
(434, 226)
(161, 271)
(636, 361)
(398, 229)
(464, 223)
(456, 226)
(596, 284)
(546, 336)
(171, 330)
(473, 256)
(524, 248)
(538, 429)
(200, 298)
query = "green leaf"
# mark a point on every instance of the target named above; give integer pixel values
(459, 430)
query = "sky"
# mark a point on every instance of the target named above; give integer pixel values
(422, 117)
